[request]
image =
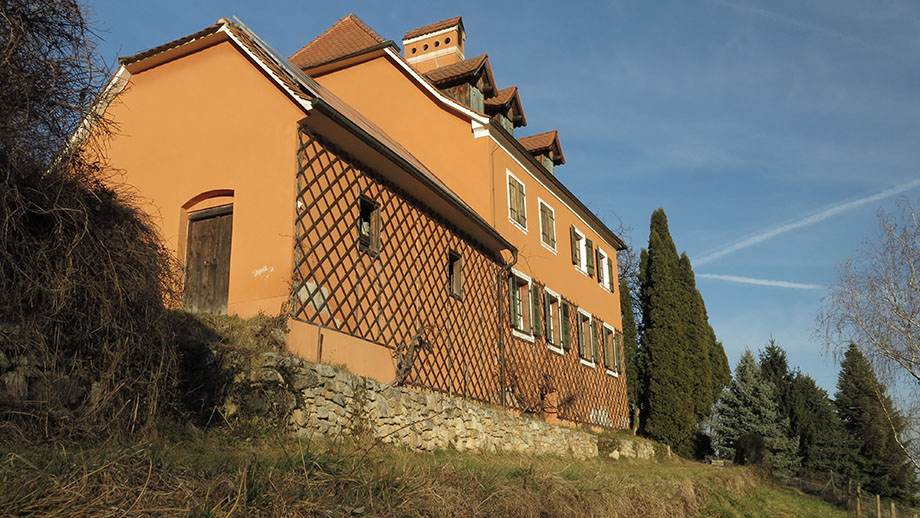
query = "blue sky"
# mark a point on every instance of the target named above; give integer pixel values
(770, 132)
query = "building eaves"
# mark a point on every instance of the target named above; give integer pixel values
(599, 226)
(434, 27)
(159, 49)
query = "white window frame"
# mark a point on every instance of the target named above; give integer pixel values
(525, 306)
(587, 336)
(613, 332)
(509, 174)
(582, 265)
(557, 323)
(540, 205)
(601, 270)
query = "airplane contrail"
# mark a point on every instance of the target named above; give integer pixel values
(761, 282)
(802, 222)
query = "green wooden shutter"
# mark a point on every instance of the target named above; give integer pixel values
(595, 356)
(610, 273)
(566, 326)
(512, 199)
(522, 204)
(589, 255)
(599, 261)
(513, 294)
(609, 353)
(618, 342)
(536, 323)
(574, 239)
(548, 320)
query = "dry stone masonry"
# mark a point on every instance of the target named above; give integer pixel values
(321, 402)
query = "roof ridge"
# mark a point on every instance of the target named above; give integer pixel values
(331, 36)
(433, 27)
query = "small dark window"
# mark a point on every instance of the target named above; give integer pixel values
(455, 274)
(446, 41)
(425, 47)
(369, 226)
(414, 50)
(437, 44)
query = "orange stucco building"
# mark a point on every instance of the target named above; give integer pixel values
(415, 238)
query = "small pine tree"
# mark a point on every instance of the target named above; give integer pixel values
(869, 416)
(748, 415)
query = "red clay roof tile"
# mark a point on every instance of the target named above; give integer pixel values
(502, 97)
(348, 36)
(543, 141)
(457, 70)
(434, 27)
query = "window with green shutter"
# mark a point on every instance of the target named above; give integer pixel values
(618, 354)
(551, 318)
(566, 326)
(595, 354)
(589, 255)
(547, 225)
(517, 201)
(536, 322)
(610, 285)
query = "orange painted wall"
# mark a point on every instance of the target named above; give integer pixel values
(211, 121)
(442, 141)
(474, 168)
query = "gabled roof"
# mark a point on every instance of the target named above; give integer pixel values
(349, 36)
(536, 144)
(435, 27)
(311, 95)
(502, 99)
(465, 68)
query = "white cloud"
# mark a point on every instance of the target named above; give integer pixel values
(821, 215)
(761, 282)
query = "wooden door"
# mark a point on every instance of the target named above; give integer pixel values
(207, 266)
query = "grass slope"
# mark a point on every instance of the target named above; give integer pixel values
(182, 471)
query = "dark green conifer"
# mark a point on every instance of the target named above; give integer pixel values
(869, 416)
(748, 414)
(630, 351)
(667, 405)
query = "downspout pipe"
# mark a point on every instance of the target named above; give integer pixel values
(502, 274)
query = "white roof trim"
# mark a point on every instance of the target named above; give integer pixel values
(450, 103)
(431, 34)
(305, 104)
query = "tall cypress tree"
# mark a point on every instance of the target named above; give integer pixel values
(710, 365)
(870, 417)
(630, 351)
(667, 405)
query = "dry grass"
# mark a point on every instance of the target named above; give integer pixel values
(255, 472)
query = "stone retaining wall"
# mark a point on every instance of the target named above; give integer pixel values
(319, 401)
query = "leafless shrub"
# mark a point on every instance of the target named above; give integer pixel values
(85, 344)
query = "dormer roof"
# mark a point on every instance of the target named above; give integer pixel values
(466, 68)
(347, 37)
(434, 27)
(502, 99)
(541, 143)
